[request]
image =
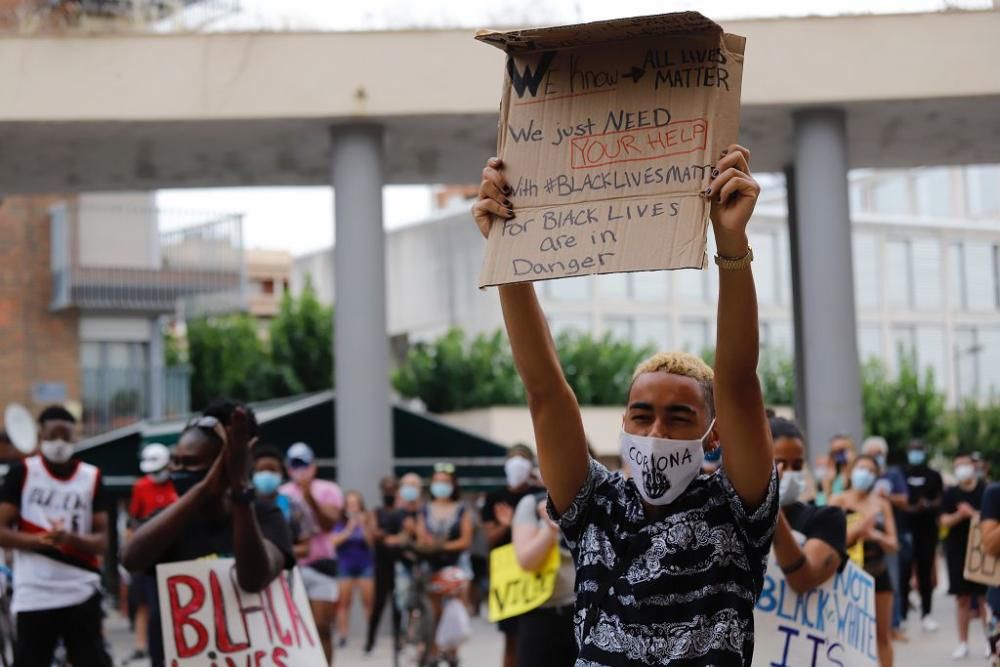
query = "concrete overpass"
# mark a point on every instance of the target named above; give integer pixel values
(821, 95)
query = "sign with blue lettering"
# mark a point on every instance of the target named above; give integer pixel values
(832, 625)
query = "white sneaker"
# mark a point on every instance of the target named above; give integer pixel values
(961, 652)
(929, 624)
(988, 653)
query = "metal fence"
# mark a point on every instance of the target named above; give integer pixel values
(117, 397)
(199, 269)
(54, 17)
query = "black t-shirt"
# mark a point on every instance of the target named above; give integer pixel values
(505, 495)
(214, 537)
(958, 535)
(390, 521)
(13, 482)
(828, 524)
(923, 482)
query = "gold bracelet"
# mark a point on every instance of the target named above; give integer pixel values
(729, 264)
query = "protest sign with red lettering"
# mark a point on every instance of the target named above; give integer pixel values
(609, 132)
(209, 621)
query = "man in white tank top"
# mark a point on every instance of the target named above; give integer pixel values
(52, 517)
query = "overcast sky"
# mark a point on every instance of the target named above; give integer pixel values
(301, 219)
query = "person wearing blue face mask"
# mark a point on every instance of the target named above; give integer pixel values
(876, 530)
(268, 476)
(925, 490)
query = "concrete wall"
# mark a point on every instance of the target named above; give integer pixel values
(35, 345)
(118, 229)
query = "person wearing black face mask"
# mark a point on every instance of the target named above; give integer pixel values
(217, 513)
(388, 526)
(57, 504)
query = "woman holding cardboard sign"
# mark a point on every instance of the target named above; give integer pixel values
(877, 532)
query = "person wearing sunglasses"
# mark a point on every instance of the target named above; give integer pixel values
(217, 512)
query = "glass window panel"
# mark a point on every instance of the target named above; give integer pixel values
(891, 196)
(695, 336)
(653, 331)
(620, 328)
(650, 286)
(857, 198)
(613, 285)
(897, 273)
(118, 355)
(930, 353)
(926, 261)
(980, 291)
(956, 273)
(563, 323)
(690, 285)
(989, 364)
(570, 289)
(780, 337)
(966, 366)
(90, 355)
(933, 189)
(983, 190)
(765, 273)
(869, 342)
(866, 270)
(903, 343)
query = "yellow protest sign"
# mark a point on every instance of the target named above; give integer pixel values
(514, 591)
(857, 552)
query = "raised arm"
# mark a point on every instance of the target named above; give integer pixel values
(555, 414)
(739, 402)
(805, 567)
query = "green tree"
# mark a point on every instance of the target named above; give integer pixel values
(302, 344)
(227, 358)
(777, 377)
(976, 428)
(902, 408)
(599, 369)
(452, 373)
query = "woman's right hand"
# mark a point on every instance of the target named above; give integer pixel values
(493, 197)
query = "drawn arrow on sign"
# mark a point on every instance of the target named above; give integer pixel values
(636, 74)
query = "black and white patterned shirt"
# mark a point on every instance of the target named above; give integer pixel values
(687, 598)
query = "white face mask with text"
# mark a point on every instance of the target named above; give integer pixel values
(662, 469)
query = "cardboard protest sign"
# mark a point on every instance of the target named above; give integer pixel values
(208, 621)
(609, 132)
(832, 625)
(979, 565)
(514, 591)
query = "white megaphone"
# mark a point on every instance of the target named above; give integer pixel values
(20, 427)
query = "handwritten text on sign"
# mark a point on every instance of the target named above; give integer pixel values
(514, 591)
(208, 621)
(620, 138)
(832, 625)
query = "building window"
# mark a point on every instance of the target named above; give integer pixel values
(977, 363)
(267, 286)
(979, 276)
(652, 331)
(766, 273)
(869, 342)
(925, 263)
(926, 344)
(619, 328)
(613, 285)
(776, 335)
(560, 324)
(569, 289)
(891, 196)
(691, 285)
(982, 191)
(695, 336)
(866, 270)
(933, 188)
(897, 273)
(649, 286)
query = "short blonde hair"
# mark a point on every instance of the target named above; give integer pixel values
(684, 364)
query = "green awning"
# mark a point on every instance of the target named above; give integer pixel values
(420, 441)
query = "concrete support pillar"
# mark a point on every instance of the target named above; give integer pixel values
(157, 392)
(825, 327)
(363, 414)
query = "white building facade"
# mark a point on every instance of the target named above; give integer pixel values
(926, 271)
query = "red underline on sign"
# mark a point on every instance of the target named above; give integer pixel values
(564, 97)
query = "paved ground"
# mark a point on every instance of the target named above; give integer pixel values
(485, 647)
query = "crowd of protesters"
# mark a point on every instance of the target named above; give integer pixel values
(633, 582)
